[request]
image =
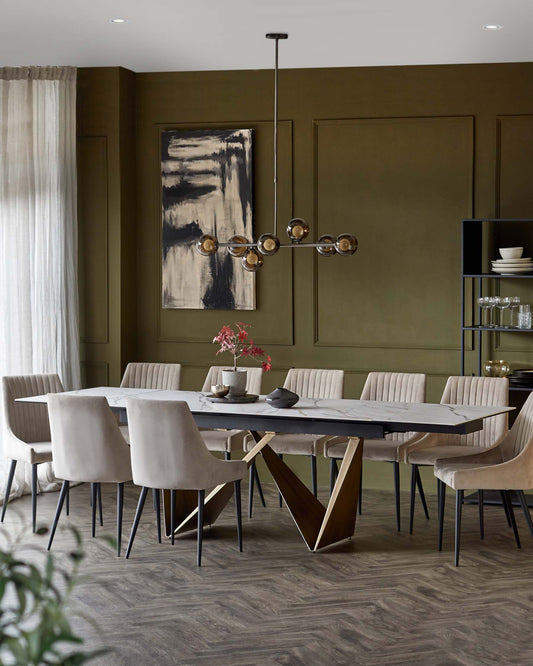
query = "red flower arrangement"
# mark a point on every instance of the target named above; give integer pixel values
(239, 344)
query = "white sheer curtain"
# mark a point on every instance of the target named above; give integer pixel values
(38, 234)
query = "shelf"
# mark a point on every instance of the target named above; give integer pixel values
(521, 388)
(498, 328)
(498, 276)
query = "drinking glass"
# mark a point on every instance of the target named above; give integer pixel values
(513, 311)
(524, 316)
(483, 302)
(492, 300)
(503, 302)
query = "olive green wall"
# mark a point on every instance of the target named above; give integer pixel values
(395, 155)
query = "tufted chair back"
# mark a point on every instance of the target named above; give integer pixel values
(164, 376)
(315, 383)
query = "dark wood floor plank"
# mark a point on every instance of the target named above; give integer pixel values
(383, 598)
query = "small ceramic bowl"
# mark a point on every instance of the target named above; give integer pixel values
(219, 390)
(511, 252)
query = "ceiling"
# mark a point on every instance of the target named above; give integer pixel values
(172, 35)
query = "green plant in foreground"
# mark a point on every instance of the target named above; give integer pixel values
(34, 602)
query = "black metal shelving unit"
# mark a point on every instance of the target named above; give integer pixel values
(480, 238)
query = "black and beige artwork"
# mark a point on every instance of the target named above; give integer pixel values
(207, 189)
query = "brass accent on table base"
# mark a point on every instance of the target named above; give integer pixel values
(319, 526)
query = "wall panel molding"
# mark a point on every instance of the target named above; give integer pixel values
(377, 178)
(93, 239)
(274, 291)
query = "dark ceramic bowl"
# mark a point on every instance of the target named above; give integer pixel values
(282, 398)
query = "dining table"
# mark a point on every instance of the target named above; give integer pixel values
(319, 525)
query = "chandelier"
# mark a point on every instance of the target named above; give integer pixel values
(252, 253)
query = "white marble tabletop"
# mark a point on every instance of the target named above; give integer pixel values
(427, 417)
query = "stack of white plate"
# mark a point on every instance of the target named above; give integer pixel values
(512, 266)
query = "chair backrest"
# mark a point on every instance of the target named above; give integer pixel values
(479, 391)
(86, 441)
(395, 387)
(164, 376)
(254, 377)
(167, 450)
(315, 383)
(28, 421)
(520, 437)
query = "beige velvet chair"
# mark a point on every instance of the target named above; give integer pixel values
(306, 383)
(164, 376)
(386, 387)
(27, 428)
(506, 466)
(227, 441)
(167, 452)
(87, 447)
(433, 446)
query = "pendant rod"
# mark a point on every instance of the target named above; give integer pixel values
(276, 36)
(276, 141)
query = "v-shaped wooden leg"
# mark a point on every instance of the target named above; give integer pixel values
(321, 526)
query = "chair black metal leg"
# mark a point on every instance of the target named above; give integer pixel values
(314, 484)
(412, 498)
(172, 515)
(120, 506)
(280, 455)
(511, 515)
(442, 502)
(93, 507)
(201, 497)
(259, 487)
(99, 494)
(64, 491)
(67, 502)
(34, 496)
(459, 496)
(421, 491)
(360, 503)
(251, 481)
(396, 466)
(505, 508)
(140, 506)
(480, 497)
(332, 474)
(227, 455)
(157, 502)
(525, 509)
(238, 511)
(8, 487)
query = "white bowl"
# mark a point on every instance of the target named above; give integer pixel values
(511, 252)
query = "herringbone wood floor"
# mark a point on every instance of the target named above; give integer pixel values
(383, 598)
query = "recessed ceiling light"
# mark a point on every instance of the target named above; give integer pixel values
(492, 26)
(118, 20)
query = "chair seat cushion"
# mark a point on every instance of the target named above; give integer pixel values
(222, 440)
(430, 455)
(373, 449)
(298, 444)
(38, 452)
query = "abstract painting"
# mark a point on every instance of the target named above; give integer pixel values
(206, 189)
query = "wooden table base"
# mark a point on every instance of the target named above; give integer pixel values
(319, 526)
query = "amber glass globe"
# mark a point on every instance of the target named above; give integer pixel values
(346, 244)
(237, 251)
(328, 247)
(297, 229)
(268, 244)
(252, 260)
(207, 245)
